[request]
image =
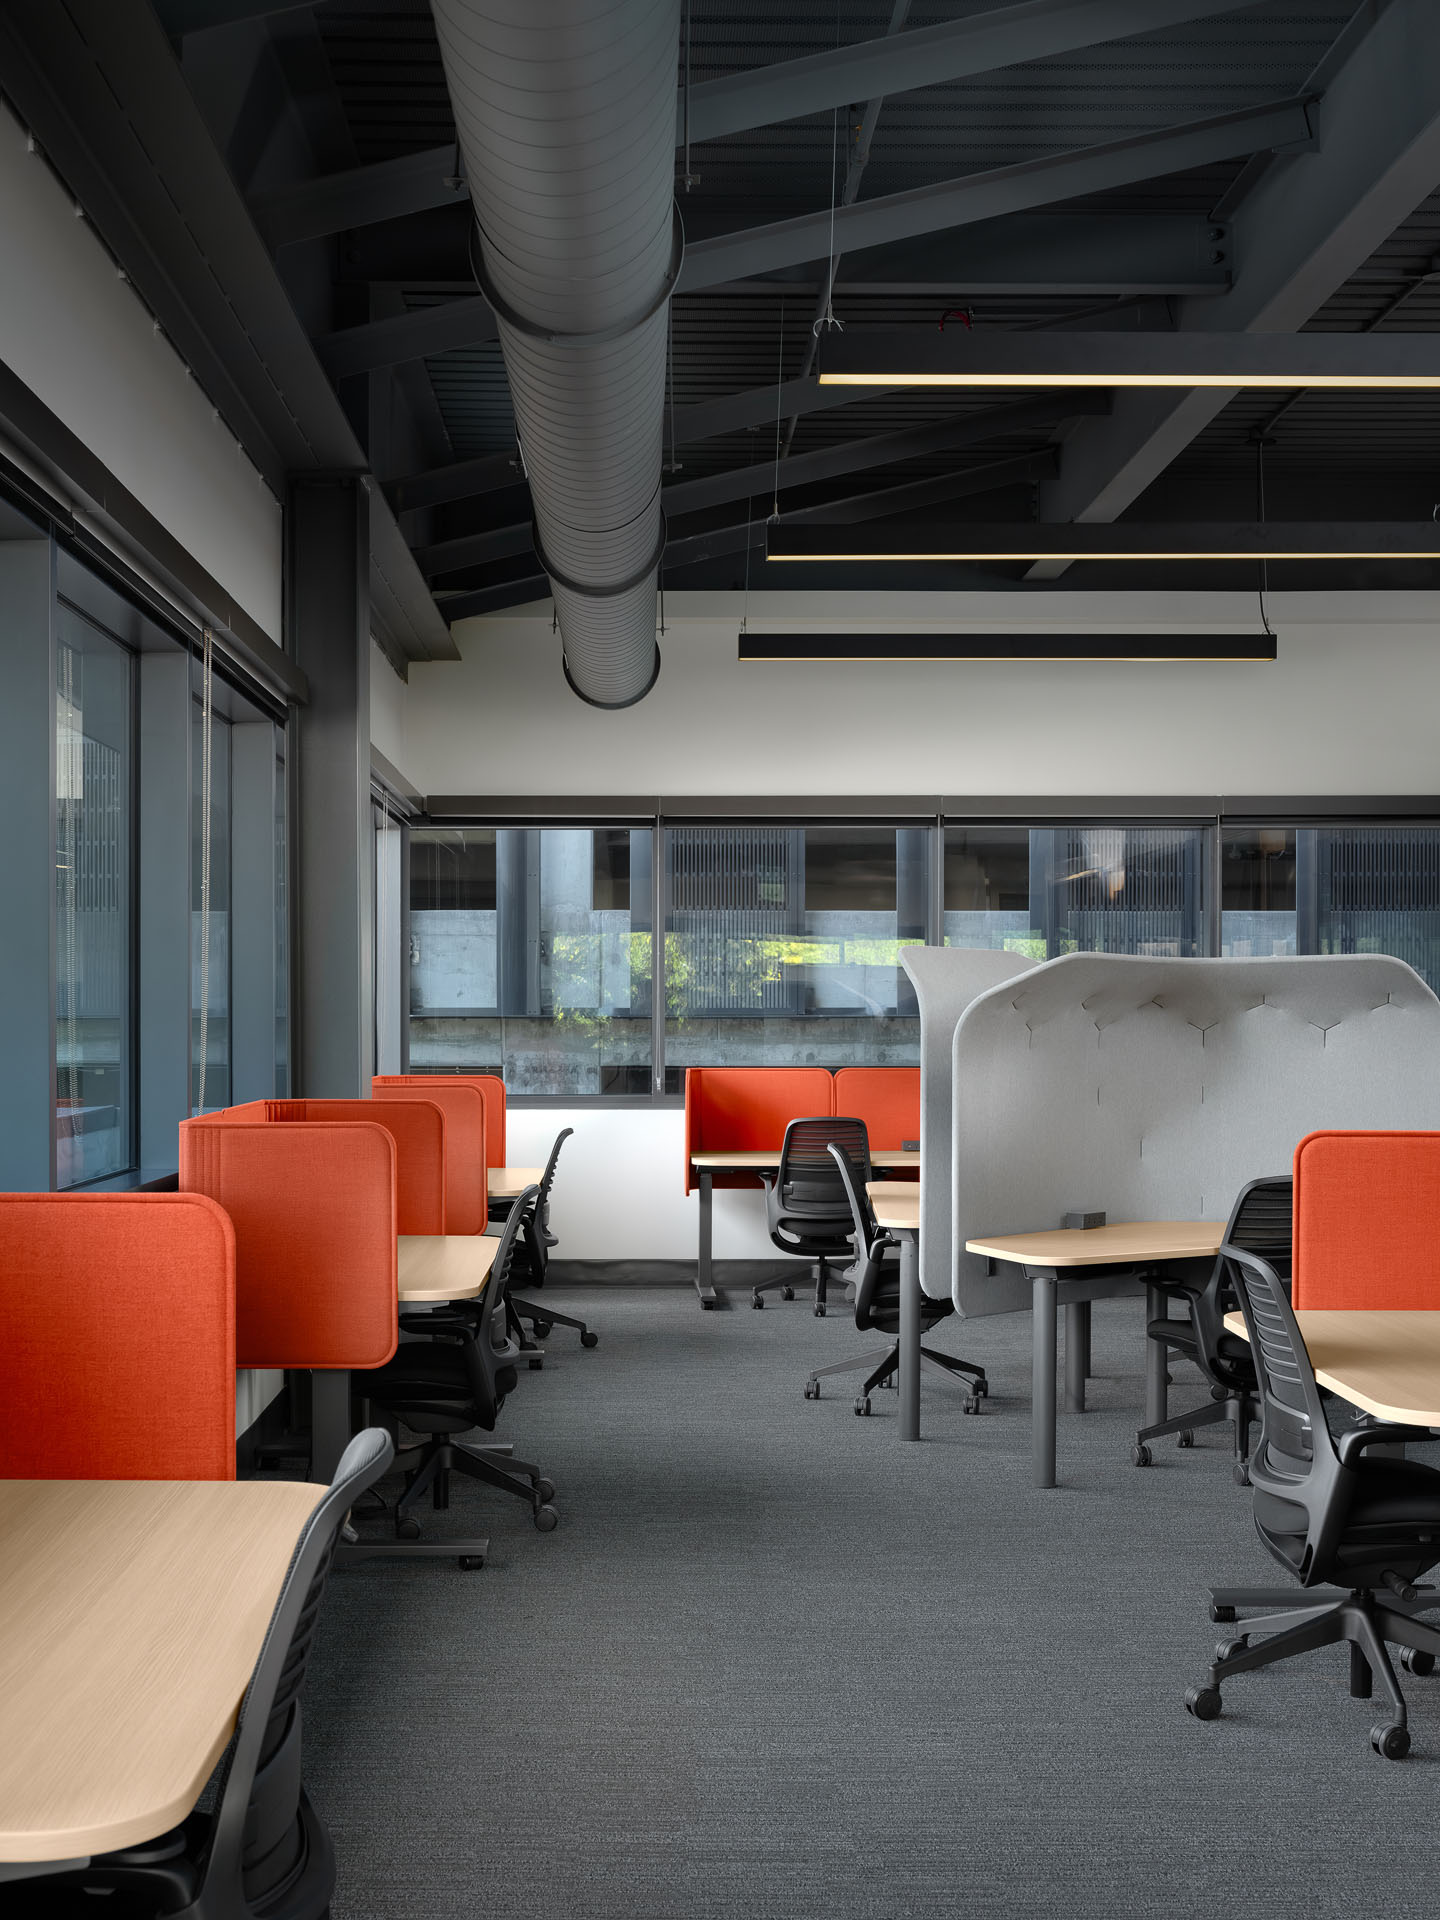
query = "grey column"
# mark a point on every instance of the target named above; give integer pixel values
(27, 866)
(254, 934)
(328, 631)
(165, 708)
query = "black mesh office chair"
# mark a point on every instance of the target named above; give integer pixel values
(500, 1210)
(877, 1306)
(532, 1261)
(1329, 1514)
(1260, 1222)
(456, 1379)
(805, 1205)
(264, 1851)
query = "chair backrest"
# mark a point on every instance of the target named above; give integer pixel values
(117, 1337)
(807, 1178)
(1260, 1222)
(862, 1214)
(489, 1359)
(463, 1105)
(547, 1179)
(1367, 1220)
(255, 1841)
(887, 1099)
(489, 1086)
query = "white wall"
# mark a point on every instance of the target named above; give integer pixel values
(78, 336)
(1348, 708)
(388, 709)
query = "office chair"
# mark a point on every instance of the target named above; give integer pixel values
(532, 1262)
(264, 1850)
(504, 1205)
(456, 1379)
(1330, 1516)
(1260, 1222)
(805, 1205)
(877, 1305)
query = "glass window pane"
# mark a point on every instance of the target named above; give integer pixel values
(530, 957)
(1257, 892)
(1124, 889)
(209, 930)
(1377, 890)
(93, 1050)
(782, 945)
(987, 890)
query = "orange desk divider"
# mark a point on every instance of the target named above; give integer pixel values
(741, 1109)
(887, 1099)
(117, 1337)
(463, 1105)
(314, 1210)
(418, 1127)
(489, 1086)
(1367, 1221)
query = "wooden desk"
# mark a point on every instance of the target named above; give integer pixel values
(747, 1160)
(896, 1206)
(444, 1266)
(508, 1183)
(131, 1618)
(1119, 1255)
(1386, 1362)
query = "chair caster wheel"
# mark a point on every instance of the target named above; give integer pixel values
(970, 1404)
(982, 1388)
(862, 1405)
(470, 1562)
(1391, 1743)
(537, 1366)
(543, 1329)
(546, 1519)
(1140, 1455)
(1185, 1438)
(812, 1389)
(406, 1528)
(819, 1309)
(1227, 1649)
(787, 1293)
(544, 1489)
(1240, 1473)
(757, 1301)
(706, 1305)
(1222, 1616)
(1203, 1702)
(1413, 1660)
(589, 1339)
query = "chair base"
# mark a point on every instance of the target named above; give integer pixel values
(1238, 1408)
(443, 1454)
(823, 1274)
(885, 1362)
(1360, 1619)
(542, 1319)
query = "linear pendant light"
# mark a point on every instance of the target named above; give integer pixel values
(1153, 540)
(928, 357)
(890, 648)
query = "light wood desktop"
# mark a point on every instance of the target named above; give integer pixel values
(508, 1183)
(1133, 1245)
(444, 1266)
(131, 1617)
(757, 1161)
(1385, 1361)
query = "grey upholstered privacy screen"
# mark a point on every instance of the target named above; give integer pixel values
(1155, 1089)
(946, 980)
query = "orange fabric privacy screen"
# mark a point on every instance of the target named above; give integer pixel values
(887, 1099)
(464, 1110)
(419, 1129)
(748, 1109)
(1367, 1220)
(489, 1086)
(117, 1337)
(313, 1205)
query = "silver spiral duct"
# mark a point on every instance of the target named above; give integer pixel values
(565, 112)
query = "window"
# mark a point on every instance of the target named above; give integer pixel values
(530, 957)
(94, 1024)
(782, 945)
(1257, 892)
(210, 851)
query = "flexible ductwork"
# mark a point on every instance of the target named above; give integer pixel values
(565, 112)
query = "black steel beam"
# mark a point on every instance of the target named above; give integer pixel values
(179, 17)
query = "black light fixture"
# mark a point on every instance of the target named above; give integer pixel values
(914, 540)
(898, 648)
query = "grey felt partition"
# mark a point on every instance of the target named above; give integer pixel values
(1155, 1089)
(946, 980)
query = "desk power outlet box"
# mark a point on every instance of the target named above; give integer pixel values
(1084, 1219)
(910, 1146)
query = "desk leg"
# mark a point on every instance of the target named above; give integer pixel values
(704, 1268)
(1042, 1386)
(1156, 1357)
(329, 1419)
(909, 1336)
(1077, 1353)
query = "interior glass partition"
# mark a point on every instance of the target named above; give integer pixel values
(530, 957)
(782, 945)
(94, 1021)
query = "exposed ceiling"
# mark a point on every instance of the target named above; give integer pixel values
(1270, 164)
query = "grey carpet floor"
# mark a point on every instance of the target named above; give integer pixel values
(774, 1663)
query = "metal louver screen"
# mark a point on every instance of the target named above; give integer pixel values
(728, 917)
(1128, 889)
(1378, 891)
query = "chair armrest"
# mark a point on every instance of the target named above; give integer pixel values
(1384, 1434)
